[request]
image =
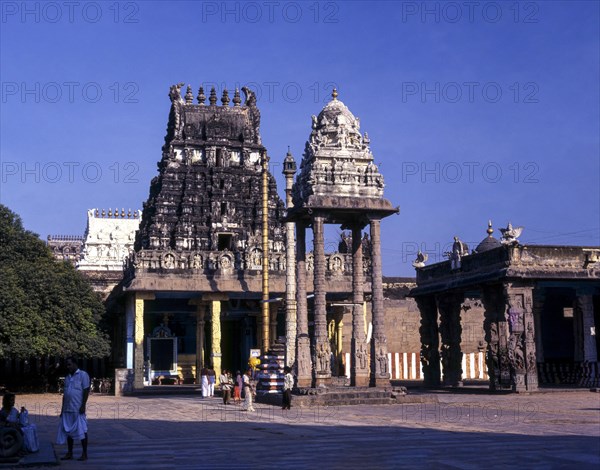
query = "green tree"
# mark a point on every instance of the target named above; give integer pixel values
(46, 306)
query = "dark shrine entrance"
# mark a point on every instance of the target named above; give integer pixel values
(238, 337)
(558, 321)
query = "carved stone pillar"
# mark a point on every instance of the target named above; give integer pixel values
(259, 331)
(200, 315)
(539, 299)
(138, 347)
(322, 349)
(290, 295)
(303, 360)
(380, 374)
(273, 311)
(201, 307)
(359, 354)
(585, 305)
(496, 336)
(521, 339)
(449, 306)
(214, 311)
(201, 311)
(430, 340)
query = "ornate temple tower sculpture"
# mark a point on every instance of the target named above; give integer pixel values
(207, 196)
(340, 184)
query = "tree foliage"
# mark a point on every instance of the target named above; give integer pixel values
(46, 306)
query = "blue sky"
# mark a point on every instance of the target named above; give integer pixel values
(475, 110)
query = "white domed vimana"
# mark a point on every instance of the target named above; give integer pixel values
(337, 160)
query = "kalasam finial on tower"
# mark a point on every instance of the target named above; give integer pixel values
(201, 96)
(225, 99)
(189, 96)
(236, 97)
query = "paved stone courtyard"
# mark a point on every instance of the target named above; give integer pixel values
(463, 430)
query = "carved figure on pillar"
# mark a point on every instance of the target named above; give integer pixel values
(492, 305)
(322, 350)
(304, 363)
(379, 376)
(383, 361)
(521, 340)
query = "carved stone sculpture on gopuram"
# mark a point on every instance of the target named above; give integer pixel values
(337, 158)
(204, 210)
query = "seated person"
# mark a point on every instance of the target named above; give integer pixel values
(9, 416)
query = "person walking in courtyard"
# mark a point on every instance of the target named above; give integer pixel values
(288, 384)
(211, 381)
(226, 386)
(248, 391)
(73, 421)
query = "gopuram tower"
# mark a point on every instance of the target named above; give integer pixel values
(196, 273)
(339, 184)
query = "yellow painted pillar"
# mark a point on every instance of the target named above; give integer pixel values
(339, 337)
(215, 333)
(214, 304)
(138, 345)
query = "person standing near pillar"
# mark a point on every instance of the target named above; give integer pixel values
(288, 384)
(73, 421)
(226, 386)
(237, 391)
(248, 391)
(211, 381)
(204, 379)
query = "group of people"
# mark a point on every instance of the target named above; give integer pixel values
(242, 384)
(248, 385)
(208, 379)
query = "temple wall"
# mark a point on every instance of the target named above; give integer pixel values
(402, 322)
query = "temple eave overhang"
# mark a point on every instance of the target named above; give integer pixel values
(347, 209)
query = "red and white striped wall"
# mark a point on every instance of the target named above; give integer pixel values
(407, 366)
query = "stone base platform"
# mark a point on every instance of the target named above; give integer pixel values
(339, 396)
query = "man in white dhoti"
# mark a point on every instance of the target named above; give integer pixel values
(73, 422)
(248, 391)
